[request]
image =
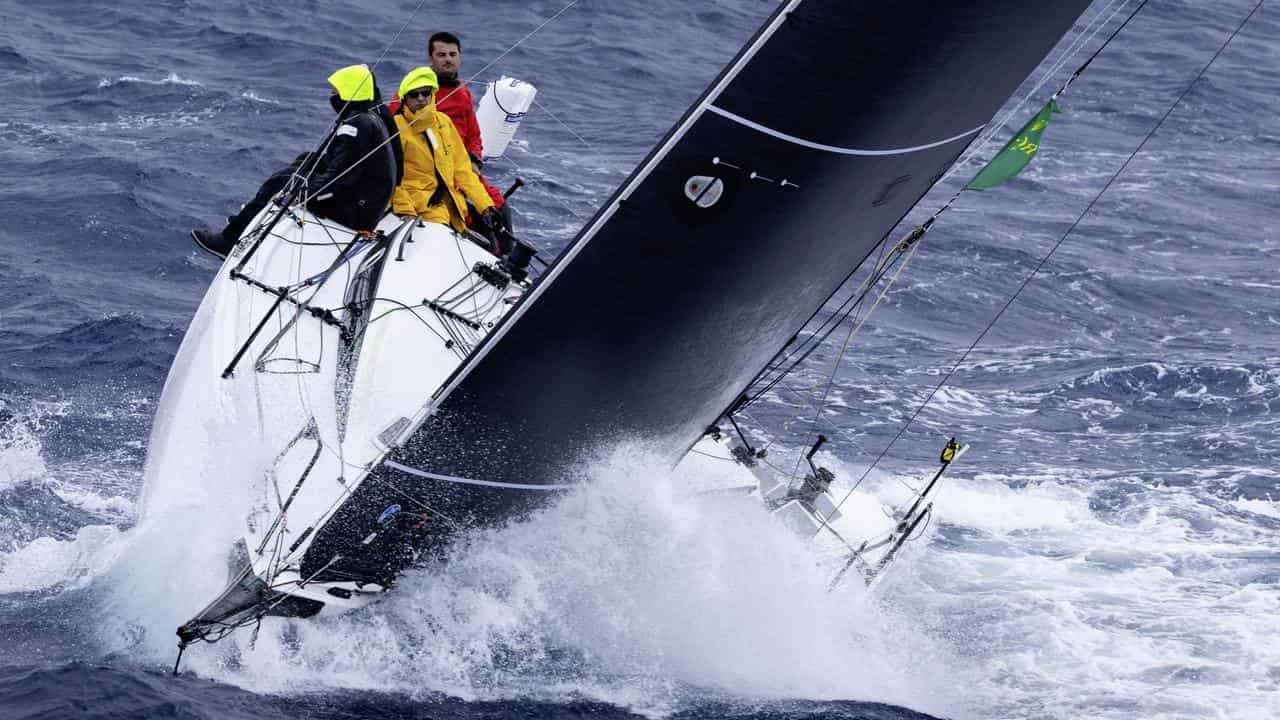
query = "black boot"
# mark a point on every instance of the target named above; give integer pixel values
(216, 243)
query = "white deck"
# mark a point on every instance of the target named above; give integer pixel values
(299, 403)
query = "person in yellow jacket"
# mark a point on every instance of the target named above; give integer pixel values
(438, 178)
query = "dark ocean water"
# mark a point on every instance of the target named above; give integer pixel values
(1109, 549)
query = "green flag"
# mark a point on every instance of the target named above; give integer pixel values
(1017, 153)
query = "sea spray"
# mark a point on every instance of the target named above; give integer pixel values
(635, 590)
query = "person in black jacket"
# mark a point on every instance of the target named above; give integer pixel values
(348, 182)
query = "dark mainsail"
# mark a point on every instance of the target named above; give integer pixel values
(812, 145)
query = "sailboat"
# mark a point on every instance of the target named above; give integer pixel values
(395, 391)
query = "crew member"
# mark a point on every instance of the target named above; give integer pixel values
(454, 99)
(351, 181)
(438, 179)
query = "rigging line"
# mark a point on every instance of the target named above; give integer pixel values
(302, 384)
(977, 149)
(553, 196)
(372, 75)
(1101, 47)
(1090, 30)
(456, 525)
(483, 483)
(822, 332)
(517, 44)
(838, 150)
(835, 366)
(457, 243)
(956, 366)
(300, 583)
(316, 289)
(928, 520)
(696, 451)
(344, 257)
(565, 125)
(304, 400)
(837, 315)
(396, 134)
(401, 306)
(814, 339)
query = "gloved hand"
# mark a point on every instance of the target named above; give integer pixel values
(492, 219)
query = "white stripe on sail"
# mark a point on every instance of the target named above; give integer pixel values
(832, 148)
(468, 481)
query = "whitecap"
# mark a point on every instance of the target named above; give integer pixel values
(46, 563)
(170, 79)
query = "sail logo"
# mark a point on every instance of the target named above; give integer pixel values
(704, 190)
(1024, 145)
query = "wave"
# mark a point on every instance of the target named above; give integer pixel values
(1217, 388)
(47, 540)
(117, 692)
(109, 350)
(11, 59)
(1088, 596)
(170, 79)
(632, 592)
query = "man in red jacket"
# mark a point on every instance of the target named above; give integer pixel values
(454, 99)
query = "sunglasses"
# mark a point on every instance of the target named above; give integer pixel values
(423, 94)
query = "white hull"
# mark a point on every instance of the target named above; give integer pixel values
(297, 422)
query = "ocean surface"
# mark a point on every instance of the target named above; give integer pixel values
(1109, 548)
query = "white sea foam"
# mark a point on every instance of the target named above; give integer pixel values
(170, 79)
(1268, 507)
(90, 501)
(1149, 613)
(46, 563)
(20, 460)
(255, 97)
(637, 592)
(633, 591)
(952, 401)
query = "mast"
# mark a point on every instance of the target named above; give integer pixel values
(824, 131)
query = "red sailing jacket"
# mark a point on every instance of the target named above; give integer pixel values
(457, 103)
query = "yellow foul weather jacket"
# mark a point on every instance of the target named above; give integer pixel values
(431, 144)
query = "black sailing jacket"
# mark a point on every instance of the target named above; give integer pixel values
(353, 180)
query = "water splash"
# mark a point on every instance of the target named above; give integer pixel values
(633, 591)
